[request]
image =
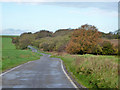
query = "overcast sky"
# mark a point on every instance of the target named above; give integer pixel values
(23, 17)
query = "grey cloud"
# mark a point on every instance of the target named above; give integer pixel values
(111, 6)
(102, 5)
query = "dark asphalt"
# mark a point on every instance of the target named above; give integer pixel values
(43, 73)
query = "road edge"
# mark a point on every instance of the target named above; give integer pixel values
(70, 78)
(62, 66)
(9, 70)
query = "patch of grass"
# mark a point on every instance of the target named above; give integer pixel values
(7, 44)
(92, 71)
(12, 57)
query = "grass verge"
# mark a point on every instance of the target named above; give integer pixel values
(92, 71)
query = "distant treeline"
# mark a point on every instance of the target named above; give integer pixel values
(112, 35)
(83, 40)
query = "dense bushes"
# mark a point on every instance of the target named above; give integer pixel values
(105, 48)
(42, 34)
(62, 32)
(97, 49)
(54, 43)
(83, 40)
(24, 40)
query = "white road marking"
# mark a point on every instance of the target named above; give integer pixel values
(67, 75)
(14, 68)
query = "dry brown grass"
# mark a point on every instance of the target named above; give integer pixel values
(113, 41)
(104, 70)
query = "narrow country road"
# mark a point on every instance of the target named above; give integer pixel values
(43, 73)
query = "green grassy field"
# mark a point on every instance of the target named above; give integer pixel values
(12, 57)
(92, 71)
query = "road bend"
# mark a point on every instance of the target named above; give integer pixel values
(43, 73)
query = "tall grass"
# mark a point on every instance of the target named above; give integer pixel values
(93, 71)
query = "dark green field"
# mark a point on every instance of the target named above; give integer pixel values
(12, 57)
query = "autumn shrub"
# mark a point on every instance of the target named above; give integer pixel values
(83, 40)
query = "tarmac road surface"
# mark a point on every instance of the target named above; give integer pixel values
(43, 73)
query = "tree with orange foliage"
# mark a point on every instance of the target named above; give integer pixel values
(83, 39)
